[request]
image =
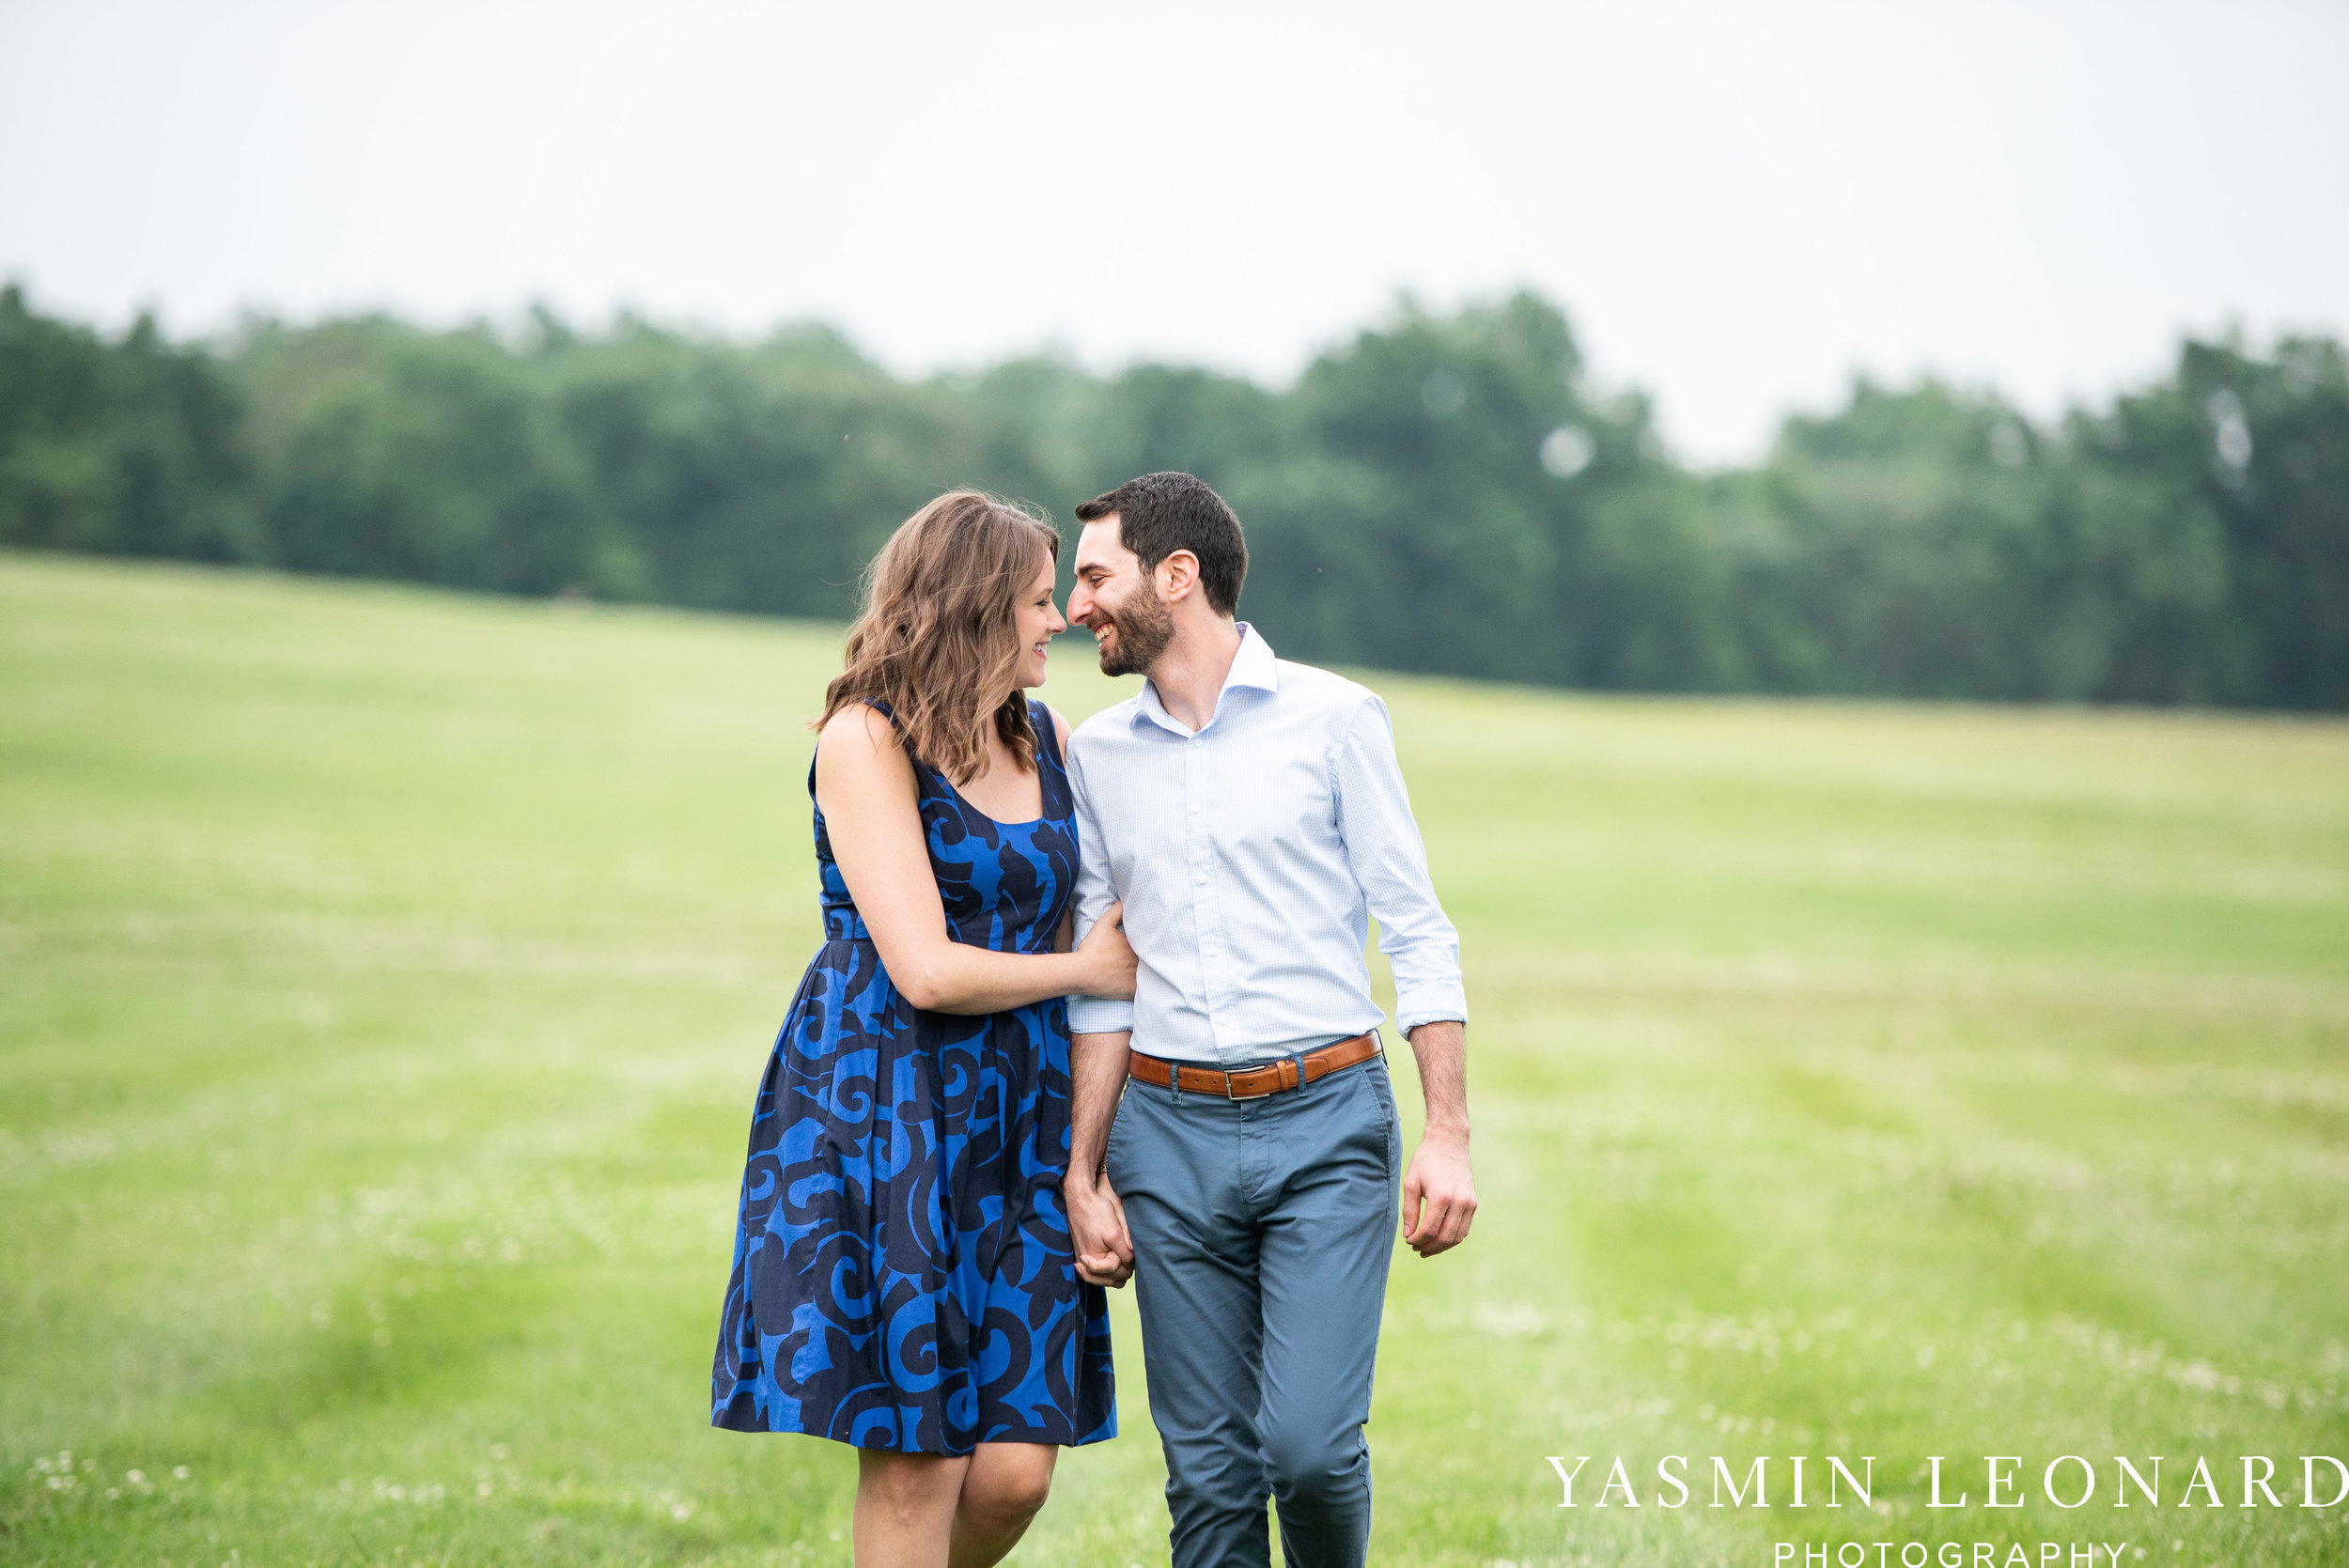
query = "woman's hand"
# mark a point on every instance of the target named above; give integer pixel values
(1110, 957)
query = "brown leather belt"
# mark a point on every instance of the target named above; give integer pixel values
(1252, 1084)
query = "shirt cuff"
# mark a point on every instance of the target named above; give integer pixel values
(1099, 1016)
(1442, 1001)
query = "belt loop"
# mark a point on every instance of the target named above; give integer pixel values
(1298, 1057)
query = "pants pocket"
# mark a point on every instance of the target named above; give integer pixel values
(1382, 1090)
(1111, 1161)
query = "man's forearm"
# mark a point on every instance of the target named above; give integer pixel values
(1440, 1046)
(1097, 1072)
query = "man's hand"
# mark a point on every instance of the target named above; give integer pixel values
(1438, 1179)
(1096, 1226)
(1439, 1189)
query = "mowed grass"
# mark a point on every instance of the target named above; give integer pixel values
(387, 976)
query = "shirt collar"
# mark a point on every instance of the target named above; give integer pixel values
(1253, 667)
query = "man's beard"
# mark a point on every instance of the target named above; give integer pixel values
(1145, 626)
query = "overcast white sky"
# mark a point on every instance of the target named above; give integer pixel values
(1738, 204)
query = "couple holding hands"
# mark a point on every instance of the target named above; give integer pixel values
(1088, 1007)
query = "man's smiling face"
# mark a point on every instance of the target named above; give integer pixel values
(1118, 601)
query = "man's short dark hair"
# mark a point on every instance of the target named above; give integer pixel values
(1161, 513)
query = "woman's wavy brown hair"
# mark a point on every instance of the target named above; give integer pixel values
(938, 641)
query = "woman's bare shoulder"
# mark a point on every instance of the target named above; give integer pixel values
(860, 741)
(1059, 727)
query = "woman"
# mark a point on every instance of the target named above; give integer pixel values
(902, 1274)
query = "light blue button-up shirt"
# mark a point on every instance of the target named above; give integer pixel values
(1250, 856)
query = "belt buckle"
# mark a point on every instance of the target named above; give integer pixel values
(1230, 1078)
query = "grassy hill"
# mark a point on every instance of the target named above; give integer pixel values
(384, 977)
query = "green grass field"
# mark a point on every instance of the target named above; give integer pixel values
(387, 976)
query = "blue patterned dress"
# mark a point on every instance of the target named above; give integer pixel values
(903, 1277)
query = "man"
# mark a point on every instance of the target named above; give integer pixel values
(1249, 813)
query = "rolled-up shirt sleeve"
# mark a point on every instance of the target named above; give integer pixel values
(1389, 865)
(1095, 894)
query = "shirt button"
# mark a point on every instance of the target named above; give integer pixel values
(1194, 808)
(1202, 878)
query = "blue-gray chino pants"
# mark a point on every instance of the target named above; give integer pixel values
(1262, 1231)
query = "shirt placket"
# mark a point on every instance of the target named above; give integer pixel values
(1215, 952)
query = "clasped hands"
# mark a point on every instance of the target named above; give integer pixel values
(1096, 1227)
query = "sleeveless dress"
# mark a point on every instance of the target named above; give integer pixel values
(903, 1275)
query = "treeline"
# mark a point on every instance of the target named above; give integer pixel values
(1444, 494)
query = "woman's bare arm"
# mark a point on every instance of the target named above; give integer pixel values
(1064, 939)
(866, 787)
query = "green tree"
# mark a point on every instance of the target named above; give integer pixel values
(1443, 493)
(132, 447)
(389, 452)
